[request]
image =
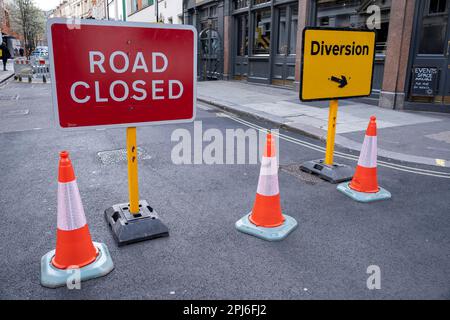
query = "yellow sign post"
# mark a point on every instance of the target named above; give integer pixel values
(331, 132)
(136, 220)
(337, 64)
(133, 183)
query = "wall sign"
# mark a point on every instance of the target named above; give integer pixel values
(424, 81)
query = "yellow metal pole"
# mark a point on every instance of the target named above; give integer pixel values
(331, 131)
(133, 185)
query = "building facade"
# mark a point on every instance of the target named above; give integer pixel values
(261, 41)
(13, 39)
(90, 9)
(5, 21)
(162, 11)
(74, 8)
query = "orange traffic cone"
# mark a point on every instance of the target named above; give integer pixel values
(266, 220)
(74, 246)
(364, 185)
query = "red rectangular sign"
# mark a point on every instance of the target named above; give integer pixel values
(110, 74)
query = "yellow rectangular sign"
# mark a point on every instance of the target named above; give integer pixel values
(337, 63)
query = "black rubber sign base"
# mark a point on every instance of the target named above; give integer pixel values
(128, 228)
(335, 173)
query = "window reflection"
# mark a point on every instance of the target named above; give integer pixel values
(293, 34)
(242, 35)
(434, 28)
(261, 43)
(282, 45)
(353, 14)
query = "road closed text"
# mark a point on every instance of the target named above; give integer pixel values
(120, 90)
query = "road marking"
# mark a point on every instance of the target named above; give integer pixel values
(399, 167)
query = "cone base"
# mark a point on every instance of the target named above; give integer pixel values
(127, 228)
(52, 277)
(334, 173)
(382, 194)
(270, 234)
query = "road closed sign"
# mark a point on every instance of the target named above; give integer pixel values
(111, 74)
(337, 63)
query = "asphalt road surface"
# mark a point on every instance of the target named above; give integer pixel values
(205, 257)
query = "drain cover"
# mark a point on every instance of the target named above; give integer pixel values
(294, 170)
(120, 155)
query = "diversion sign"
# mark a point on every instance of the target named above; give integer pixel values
(110, 74)
(337, 63)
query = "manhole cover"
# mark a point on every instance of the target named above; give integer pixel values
(14, 113)
(120, 155)
(294, 170)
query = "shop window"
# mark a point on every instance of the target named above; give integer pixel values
(256, 2)
(137, 5)
(353, 14)
(204, 13)
(213, 11)
(208, 23)
(282, 29)
(261, 44)
(242, 35)
(324, 21)
(240, 4)
(434, 28)
(147, 3)
(437, 6)
(293, 34)
(210, 41)
(287, 30)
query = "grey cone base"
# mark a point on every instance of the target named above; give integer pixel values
(382, 194)
(52, 277)
(269, 234)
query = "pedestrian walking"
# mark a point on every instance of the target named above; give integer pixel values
(5, 55)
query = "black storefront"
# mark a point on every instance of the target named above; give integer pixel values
(263, 35)
(258, 41)
(264, 41)
(208, 18)
(428, 79)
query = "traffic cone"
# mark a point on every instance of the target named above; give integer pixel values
(266, 220)
(364, 185)
(74, 246)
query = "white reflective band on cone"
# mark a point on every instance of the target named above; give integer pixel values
(368, 155)
(70, 208)
(268, 185)
(269, 166)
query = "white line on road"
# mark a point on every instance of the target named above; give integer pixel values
(399, 167)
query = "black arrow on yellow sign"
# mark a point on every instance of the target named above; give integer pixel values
(342, 82)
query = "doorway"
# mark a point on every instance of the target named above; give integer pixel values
(283, 62)
(432, 52)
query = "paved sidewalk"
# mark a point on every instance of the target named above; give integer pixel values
(5, 75)
(406, 136)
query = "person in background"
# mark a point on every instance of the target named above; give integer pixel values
(21, 52)
(5, 54)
